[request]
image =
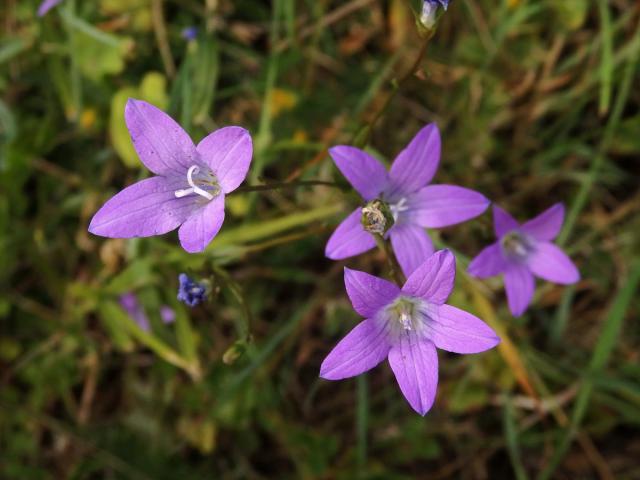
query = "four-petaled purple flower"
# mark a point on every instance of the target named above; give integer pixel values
(47, 5)
(523, 251)
(406, 325)
(413, 204)
(190, 185)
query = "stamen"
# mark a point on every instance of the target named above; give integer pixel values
(405, 320)
(193, 170)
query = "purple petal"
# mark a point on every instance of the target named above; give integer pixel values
(457, 331)
(415, 166)
(129, 302)
(519, 284)
(362, 349)
(411, 245)
(488, 262)
(503, 223)
(366, 174)
(414, 362)
(349, 239)
(433, 280)
(368, 293)
(203, 224)
(550, 263)
(162, 145)
(46, 6)
(228, 153)
(436, 206)
(547, 225)
(143, 209)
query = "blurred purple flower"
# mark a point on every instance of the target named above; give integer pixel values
(189, 33)
(191, 292)
(190, 185)
(46, 6)
(406, 325)
(413, 204)
(523, 251)
(129, 301)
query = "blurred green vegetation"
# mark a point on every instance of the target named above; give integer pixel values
(537, 102)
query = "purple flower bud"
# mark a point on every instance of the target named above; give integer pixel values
(430, 10)
(129, 301)
(190, 291)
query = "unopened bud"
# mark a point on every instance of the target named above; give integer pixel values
(377, 217)
(429, 15)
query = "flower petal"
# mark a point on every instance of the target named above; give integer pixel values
(415, 166)
(519, 285)
(162, 145)
(411, 245)
(549, 262)
(414, 362)
(436, 206)
(503, 222)
(228, 153)
(547, 225)
(143, 209)
(368, 293)
(46, 6)
(457, 331)
(488, 262)
(362, 349)
(365, 173)
(433, 280)
(349, 239)
(203, 224)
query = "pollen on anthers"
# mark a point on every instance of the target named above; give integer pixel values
(194, 170)
(516, 245)
(405, 314)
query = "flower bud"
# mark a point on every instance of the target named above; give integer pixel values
(377, 217)
(429, 15)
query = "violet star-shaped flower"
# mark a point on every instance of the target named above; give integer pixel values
(413, 203)
(47, 5)
(406, 325)
(190, 185)
(523, 251)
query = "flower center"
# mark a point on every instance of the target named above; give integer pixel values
(516, 245)
(407, 315)
(194, 170)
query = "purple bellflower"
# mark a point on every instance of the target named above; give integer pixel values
(190, 185)
(191, 292)
(523, 251)
(129, 302)
(406, 325)
(413, 203)
(47, 5)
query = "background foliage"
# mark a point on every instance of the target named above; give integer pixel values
(538, 103)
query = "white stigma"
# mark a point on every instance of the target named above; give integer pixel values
(193, 170)
(405, 320)
(397, 208)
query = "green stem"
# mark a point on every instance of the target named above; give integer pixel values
(362, 137)
(395, 272)
(280, 185)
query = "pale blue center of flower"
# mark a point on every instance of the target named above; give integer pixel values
(194, 188)
(408, 315)
(516, 245)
